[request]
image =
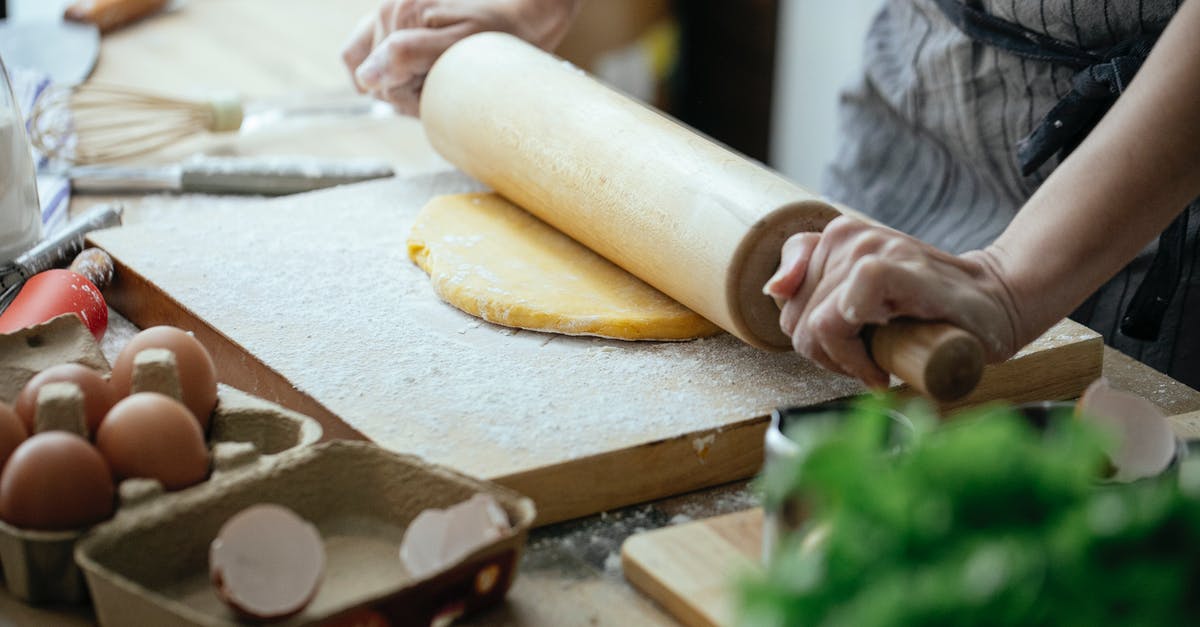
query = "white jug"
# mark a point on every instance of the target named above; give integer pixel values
(20, 212)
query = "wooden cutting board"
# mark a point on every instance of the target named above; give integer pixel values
(311, 301)
(692, 569)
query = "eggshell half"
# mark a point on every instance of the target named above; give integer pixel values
(267, 562)
(1144, 442)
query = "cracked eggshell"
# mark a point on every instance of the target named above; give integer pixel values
(438, 538)
(1144, 442)
(266, 562)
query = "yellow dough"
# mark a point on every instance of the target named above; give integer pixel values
(491, 259)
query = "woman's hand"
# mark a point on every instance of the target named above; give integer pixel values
(853, 274)
(393, 48)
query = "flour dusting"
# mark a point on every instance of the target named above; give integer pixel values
(320, 287)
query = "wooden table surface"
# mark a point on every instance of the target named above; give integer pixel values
(284, 48)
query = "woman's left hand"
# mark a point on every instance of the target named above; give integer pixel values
(832, 284)
(395, 46)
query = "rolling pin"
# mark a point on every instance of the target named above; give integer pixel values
(695, 220)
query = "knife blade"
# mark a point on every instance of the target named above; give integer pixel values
(266, 176)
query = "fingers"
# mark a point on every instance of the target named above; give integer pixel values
(793, 264)
(859, 274)
(807, 285)
(358, 46)
(391, 50)
(394, 71)
(841, 345)
(854, 274)
(444, 14)
(881, 287)
(406, 98)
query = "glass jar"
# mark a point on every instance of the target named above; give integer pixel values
(20, 212)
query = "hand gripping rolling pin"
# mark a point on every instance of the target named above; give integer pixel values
(684, 214)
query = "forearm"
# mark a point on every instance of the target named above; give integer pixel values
(1124, 184)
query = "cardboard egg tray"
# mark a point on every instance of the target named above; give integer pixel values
(148, 565)
(152, 569)
(39, 566)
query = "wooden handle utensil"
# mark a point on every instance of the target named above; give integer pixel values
(110, 15)
(679, 211)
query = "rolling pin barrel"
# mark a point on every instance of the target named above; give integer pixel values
(684, 214)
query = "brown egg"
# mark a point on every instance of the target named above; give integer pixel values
(154, 436)
(56, 481)
(197, 375)
(98, 395)
(12, 432)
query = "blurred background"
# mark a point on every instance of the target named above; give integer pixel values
(761, 76)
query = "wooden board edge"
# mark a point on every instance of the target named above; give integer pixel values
(662, 468)
(1060, 373)
(145, 305)
(1187, 426)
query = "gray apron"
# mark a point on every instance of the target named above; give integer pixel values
(943, 138)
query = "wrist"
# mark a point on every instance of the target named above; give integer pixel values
(993, 274)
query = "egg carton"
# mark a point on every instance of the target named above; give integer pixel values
(151, 568)
(30, 351)
(39, 566)
(148, 564)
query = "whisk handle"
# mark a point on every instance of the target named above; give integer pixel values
(227, 114)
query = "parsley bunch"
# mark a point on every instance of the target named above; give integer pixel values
(985, 520)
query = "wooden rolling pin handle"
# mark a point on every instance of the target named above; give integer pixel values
(936, 358)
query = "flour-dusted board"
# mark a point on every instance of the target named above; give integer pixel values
(311, 301)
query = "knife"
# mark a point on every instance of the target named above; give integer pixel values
(266, 176)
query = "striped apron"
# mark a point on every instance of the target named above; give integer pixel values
(959, 111)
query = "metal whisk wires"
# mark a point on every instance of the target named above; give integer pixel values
(95, 122)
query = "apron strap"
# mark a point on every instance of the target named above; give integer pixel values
(1144, 316)
(1100, 78)
(986, 28)
(1094, 89)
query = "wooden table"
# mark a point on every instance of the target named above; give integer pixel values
(267, 48)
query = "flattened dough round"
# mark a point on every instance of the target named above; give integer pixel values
(492, 259)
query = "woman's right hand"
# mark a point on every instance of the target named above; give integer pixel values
(832, 284)
(393, 48)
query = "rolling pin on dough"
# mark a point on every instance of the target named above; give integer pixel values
(675, 209)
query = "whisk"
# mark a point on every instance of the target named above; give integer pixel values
(95, 122)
